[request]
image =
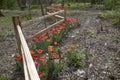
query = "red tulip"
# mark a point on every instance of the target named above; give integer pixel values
(54, 56)
(50, 48)
(39, 51)
(40, 74)
(39, 38)
(55, 43)
(36, 64)
(35, 57)
(72, 46)
(19, 58)
(41, 59)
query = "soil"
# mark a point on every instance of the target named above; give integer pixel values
(97, 36)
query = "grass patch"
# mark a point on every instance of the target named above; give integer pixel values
(24, 16)
(3, 78)
(5, 20)
(114, 15)
(77, 5)
(34, 6)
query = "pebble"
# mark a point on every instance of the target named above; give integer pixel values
(80, 72)
(105, 44)
(90, 65)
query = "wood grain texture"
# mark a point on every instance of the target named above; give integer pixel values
(58, 16)
(27, 76)
(27, 56)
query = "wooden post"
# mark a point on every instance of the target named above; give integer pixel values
(16, 22)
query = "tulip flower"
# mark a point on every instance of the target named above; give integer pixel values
(35, 57)
(72, 46)
(50, 48)
(39, 51)
(40, 74)
(36, 64)
(41, 59)
(55, 43)
(39, 38)
(19, 58)
(54, 56)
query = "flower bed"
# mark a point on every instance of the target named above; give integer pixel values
(46, 53)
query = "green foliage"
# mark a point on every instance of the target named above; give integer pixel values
(114, 15)
(34, 6)
(19, 65)
(3, 78)
(77, 5)
(28, 17)
(111, 4)
(8, 4)
(74, 58)
(116, 21)
(11, 4)
(53, 69)
(2, 4)
(93, 1)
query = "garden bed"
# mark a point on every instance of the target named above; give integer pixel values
(103, 46)
(45, 53)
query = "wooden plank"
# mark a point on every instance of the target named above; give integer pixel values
(30, 22)
(44, 30)
(57, 15)
(29, 61)
(27, 76)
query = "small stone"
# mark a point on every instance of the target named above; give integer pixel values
(72, 36)
(104, 72)
(90, 65)
(77, 32)
(11, 71)
(80, 72)
(13, 55)
(105, 44)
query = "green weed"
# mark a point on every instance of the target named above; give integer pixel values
(114, 15)
(3, 78)
(77, 5)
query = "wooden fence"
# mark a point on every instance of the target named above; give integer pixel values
(30, 71)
